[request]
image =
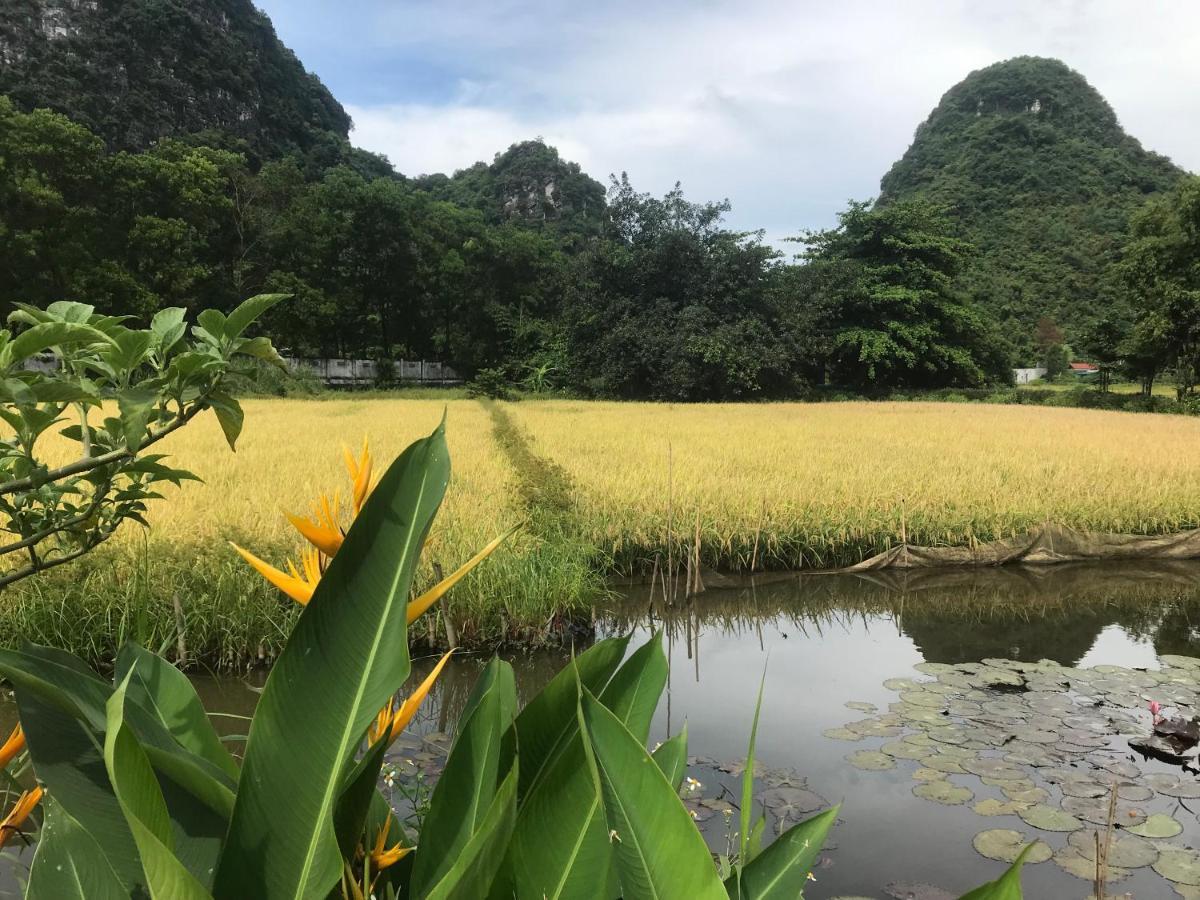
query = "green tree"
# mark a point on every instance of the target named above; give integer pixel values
(886, 278)
(1160, 270)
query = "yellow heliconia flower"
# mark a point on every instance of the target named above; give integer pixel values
(19, 813)
(14, 745)
(299, 586)
(322, 529)
(381, 858)
(360, 475)
(392, 722)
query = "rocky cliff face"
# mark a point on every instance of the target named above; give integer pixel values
(134, 71)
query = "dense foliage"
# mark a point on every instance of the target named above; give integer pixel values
(1039, 175)
(894, 314)
(136, 71)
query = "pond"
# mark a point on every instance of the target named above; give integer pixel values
(1029, 741)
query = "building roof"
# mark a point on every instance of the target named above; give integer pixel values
(1084, 367)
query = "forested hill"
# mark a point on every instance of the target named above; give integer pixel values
(1033, 164)
(134, 71)
(528, 183)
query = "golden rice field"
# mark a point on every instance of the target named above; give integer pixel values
(829, 484)
(773, 485)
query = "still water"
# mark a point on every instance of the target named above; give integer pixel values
(826, 640)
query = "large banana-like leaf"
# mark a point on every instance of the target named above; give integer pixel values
(659, 852)
(141, 800)
(671, 757)
(469, 782)
(69, 864)
(781, 871)
(161, 689)
(548, 720)
(1006, 887)
(747, 804)
(560, 848)
(347, 655)
(475, 866)
(70, 764)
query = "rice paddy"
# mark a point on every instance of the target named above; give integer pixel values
(604, 489)
(794, 485)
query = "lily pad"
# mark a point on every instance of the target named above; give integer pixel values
(1027, 795)
(1124, 851)
(1178, 865)
(904, 750)
(993, 769)
(1004, 845)
(1158, 826)
(1049, 818)
(1088, 789)
(933, 668)
(993, 807)
(1034, 736)
(944, 792)
(925, 774)
(924, 699)
(871, 760)
(791, 802)
(1071, 860)
(842, 734)
(1135, 793)
(942, 763)
(1095, 810)
(1173, 786)
(861, 706)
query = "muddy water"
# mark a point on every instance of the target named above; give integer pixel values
(824, 641)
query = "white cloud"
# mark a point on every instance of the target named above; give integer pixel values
(787, 109)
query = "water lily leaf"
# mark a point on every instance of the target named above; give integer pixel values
(861, 706)
(1048, 818)
(1071, 860)
(1178, 865)
(926, 774)
(944, 792)
(1027, 795)
(1083, 789)
(902, 684)
(993, 768)
(993, 807)
(842, 734)
(871, 760)
(1034, 736)
(1159, 825)
(933, 668)
(904, 750)
(1005, 845)
(1095, 810)
(1171, 785)
(924, 698)
(1124, 851)
(941, 763)
(1136, 793)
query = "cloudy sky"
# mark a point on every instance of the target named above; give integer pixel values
(787, 108)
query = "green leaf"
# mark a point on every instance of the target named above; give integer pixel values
(42, 337)
(747, 803)
(68, 863)
(262, 348)
(469, 782)
(671, 757)
(548, 721)
(130, 349)
(347, 655)
(70, 764)
(168, 327)
(781, 871)
(229, 414)
(164, 691)
(659, 852)
(476, 865)
(246, 313)
(560, 848)
(137, 406)
(213, 322)
(145, 810)
(1006, 887)
(357, 796)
